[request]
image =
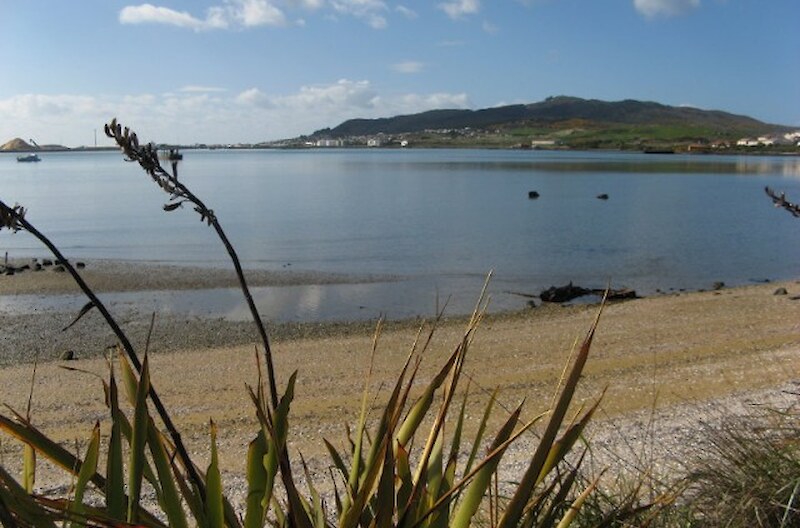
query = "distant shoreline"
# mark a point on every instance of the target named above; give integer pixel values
(744, 151)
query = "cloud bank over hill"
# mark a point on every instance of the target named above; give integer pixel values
(211, 114)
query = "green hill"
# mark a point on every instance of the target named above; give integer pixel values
(571, 121)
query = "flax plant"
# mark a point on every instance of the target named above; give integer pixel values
(779, 200)
(402, 470)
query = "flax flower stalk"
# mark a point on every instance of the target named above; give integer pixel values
(147, 157)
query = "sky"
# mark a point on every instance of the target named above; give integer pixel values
(246, 71)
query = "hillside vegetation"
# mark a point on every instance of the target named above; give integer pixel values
(569, 122)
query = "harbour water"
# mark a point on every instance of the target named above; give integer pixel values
(435, 221)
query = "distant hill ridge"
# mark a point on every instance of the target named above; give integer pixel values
(552, 111)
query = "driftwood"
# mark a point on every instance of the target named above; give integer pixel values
(560, 294)
(569, 292)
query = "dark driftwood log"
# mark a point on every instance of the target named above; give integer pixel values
(561, 294)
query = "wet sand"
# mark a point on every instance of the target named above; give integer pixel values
(123, 276)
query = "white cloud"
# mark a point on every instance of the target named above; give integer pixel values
(254, 13)
(202, 89)
(460, 8)
(654, 8)
(343, 94)
(408, 67)
(311, 5)
(370, 11)
(233, 13)
(255, 97)
(406, 12)
(150, 14)
(190, 116)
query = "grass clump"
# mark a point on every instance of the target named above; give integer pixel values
(749, 474)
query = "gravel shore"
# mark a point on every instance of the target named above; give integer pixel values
(685, 359)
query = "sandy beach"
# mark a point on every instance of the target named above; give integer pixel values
(690, 356)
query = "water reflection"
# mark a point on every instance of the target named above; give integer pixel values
(655, 164)
(308, 303)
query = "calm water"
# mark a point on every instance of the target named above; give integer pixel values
(442, 218)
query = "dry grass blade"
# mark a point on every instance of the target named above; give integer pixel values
(28, 467)
(86, 308)
(575, 507)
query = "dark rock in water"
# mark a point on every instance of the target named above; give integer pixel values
(80, 265)
(603, 196)
(57, 262)
(47, 262)
(9, 271)
(59, 269)
(718, 285)
(37, 267)
(559, 294)
(533, 195)
(24, 267)
(781, 291)
(68, 355)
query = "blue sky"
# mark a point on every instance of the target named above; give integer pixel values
(227, 71)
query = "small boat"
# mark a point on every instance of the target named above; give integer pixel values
(172, 155)
(29, 158)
